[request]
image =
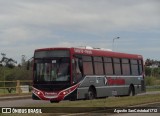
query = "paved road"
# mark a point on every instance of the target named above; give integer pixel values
(21, 102)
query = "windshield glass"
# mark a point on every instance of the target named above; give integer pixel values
(50, 70)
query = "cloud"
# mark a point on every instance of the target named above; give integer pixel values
(87, 15)
(27, 24)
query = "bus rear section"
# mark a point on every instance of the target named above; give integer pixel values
(107, 73)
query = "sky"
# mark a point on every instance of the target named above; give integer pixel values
(26, 25)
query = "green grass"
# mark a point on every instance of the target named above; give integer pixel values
(13, 94)
(150, 81)
(152, 89)
(3, 91)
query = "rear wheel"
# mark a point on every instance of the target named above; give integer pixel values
(131, 91)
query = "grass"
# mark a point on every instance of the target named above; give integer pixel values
(6, 93)
(151, 81)
(152, 89)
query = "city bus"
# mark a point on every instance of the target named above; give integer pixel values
(85, 73)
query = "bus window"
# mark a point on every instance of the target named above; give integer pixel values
(117, 66)
(49, 70)
(108, 66)
(78, 70)
(88, 68)
(134, 67)
(98, 65)
(140, 66)
(87, 65)
(126, 67)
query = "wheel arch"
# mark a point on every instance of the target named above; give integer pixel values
(93, 88)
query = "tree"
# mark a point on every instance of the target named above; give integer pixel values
(148, 71)
(151, 62)
(7, 62)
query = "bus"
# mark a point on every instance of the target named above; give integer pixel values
(85, 73)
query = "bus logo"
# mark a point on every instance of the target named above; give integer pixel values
(50, 94)
(114, 81)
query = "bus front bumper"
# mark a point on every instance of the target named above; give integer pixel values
(53, 96)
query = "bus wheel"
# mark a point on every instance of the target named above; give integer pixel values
(72, 99)
(54, 101)
(91, 94)
(131, 91)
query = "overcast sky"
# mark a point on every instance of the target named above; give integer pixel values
(26, 25)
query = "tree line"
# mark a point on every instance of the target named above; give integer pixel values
(152, 68)
(9, 71)
(151, 62)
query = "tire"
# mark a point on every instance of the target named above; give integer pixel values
(91, 94)
(72, 99)
(54, 101)
(131, 91)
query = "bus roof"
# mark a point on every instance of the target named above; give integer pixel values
(94, 52)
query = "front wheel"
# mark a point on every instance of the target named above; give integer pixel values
(54, 101)
(91, 94)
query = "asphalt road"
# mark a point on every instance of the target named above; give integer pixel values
(21, 102)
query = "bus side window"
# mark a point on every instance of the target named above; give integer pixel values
(78, 70)
(140, 66)
(80, 66)
(134, 67)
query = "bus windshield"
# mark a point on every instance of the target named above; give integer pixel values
(51, 66)
(51, 70)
